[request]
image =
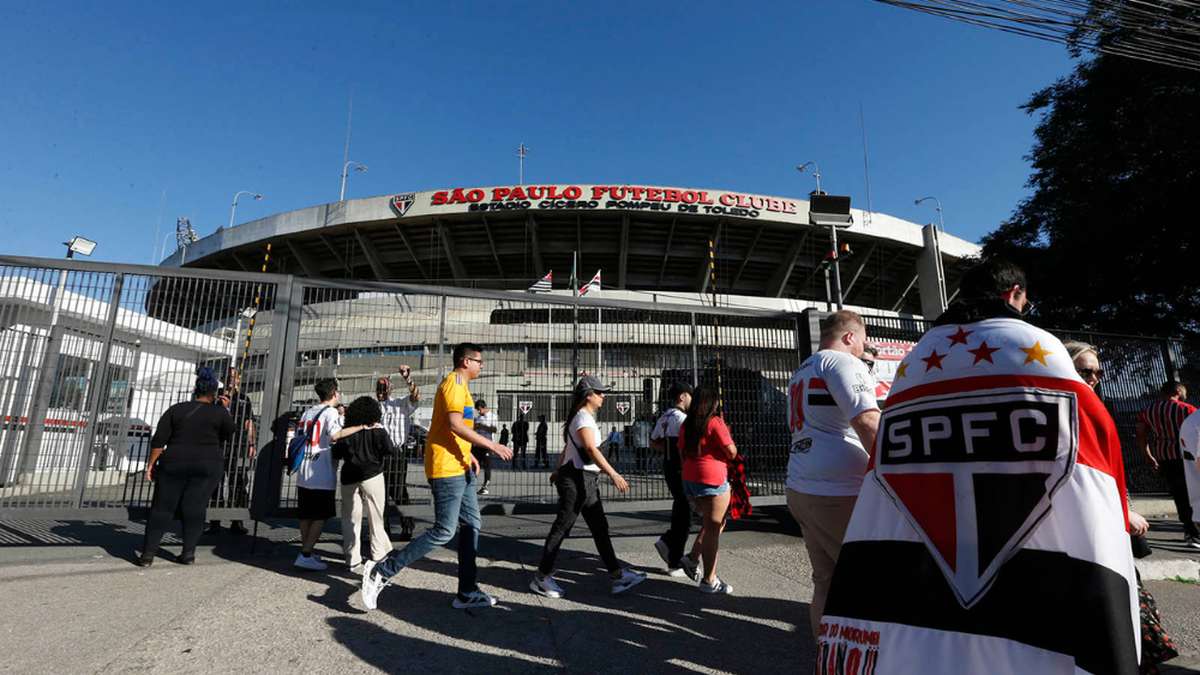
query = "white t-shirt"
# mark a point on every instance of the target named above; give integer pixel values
(316, 471)
(396, 413)
(827, 391)
(668, 424)
(583, 420)
(1189, 440)
(486, 420)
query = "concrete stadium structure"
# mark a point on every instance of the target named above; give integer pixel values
(646, 239)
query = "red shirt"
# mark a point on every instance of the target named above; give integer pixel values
(1163, 419)
(711, 467)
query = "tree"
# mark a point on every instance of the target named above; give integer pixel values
(1110, 239)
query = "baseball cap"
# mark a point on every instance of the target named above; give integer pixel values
(678, 388)
(590, 383)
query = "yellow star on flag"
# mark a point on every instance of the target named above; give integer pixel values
(1035, 353)
(900, 371)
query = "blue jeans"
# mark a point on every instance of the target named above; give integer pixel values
(455, 506)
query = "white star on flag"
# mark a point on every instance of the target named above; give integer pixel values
(593, 284)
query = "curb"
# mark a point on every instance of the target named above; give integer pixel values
(1168, 569)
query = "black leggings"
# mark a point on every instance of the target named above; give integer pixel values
(184, 486)
(578, 492)
(1172, 470)
(485, 462)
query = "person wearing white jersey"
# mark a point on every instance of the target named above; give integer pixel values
(316, 480)
(397, 412)
(833, 416)
(1189, 440)
(665, 439)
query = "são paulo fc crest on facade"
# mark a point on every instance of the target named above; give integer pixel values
(402, 203)
(975, 473)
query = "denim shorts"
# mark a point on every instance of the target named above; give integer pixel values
(694, 489)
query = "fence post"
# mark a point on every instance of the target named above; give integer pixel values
(442, 344)
(1169, 360)
(98, 391)
(695, 354)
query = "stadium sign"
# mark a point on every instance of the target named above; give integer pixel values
(593, 198)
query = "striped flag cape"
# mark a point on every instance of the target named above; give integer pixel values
(594, 284)
(990, 535)
(543, 284)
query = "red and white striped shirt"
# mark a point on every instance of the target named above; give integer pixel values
(1163, 419)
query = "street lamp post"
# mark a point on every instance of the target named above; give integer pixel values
(815, 172)
(239, 194)
(345, 169)
(941, 223)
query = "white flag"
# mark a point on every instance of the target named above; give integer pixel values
(594, 284)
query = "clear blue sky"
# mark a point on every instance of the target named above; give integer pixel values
(106, 105)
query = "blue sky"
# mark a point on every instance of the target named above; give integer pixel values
(109, 104)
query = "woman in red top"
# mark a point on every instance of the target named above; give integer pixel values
(706, 448)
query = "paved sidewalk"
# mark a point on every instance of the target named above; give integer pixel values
(74, 603)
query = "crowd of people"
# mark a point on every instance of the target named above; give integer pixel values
(951, 528)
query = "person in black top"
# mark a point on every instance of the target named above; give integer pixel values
(520, 439)
(235, 480)
(539, 453)
(185, 464)
(363, 446)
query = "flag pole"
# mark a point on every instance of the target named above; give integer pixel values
(599, 332)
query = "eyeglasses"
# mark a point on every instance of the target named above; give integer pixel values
(1086, 373)
(479, 361)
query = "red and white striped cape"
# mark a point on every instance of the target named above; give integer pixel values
(990, 535)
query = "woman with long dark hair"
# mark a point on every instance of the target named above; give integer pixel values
(363, 447)
(707, 448)
(577, 479)
(185, 466)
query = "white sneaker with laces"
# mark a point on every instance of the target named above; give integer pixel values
(627, 580)
(547, 587)
(691, 568)
(717, 586)
(372, 584)
(677, 572)
(311, 562)
(1193, 542)
(475, 598)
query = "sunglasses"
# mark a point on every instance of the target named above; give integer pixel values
(1086, 373)
(870, 364)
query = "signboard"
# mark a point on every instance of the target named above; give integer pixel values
(623, 407)
(525, 406)
(597, 198)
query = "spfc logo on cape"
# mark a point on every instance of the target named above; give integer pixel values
(402, 203)
(974, 474)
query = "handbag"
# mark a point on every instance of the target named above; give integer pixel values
(297, 448)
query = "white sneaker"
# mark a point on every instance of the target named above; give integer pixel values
(356, 568)
(664, 552)
(677, 572)
(312, 562)
(627, 580)
(475, 598)
(717, 586)
(1193, 542)
(372, 584)
(547, 587)
(691, 568)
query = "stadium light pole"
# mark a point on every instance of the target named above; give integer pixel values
(345, 168)
(941, 223)
(521, 152)
(239, 194)
(816, 172)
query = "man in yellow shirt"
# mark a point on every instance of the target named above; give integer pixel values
(451, 470)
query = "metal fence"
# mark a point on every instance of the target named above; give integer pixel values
(92, 354)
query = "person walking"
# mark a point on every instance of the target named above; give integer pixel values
(520, 438)
(665, 439)
(239, 452)
(362, 448)
(451, 470)
(485, 426)
(707, 448)
(577, 481)
(539, 453)
(316, 479)
(1158, 439)
(833, 415)
(185, 465)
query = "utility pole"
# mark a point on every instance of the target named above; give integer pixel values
(521, 152)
